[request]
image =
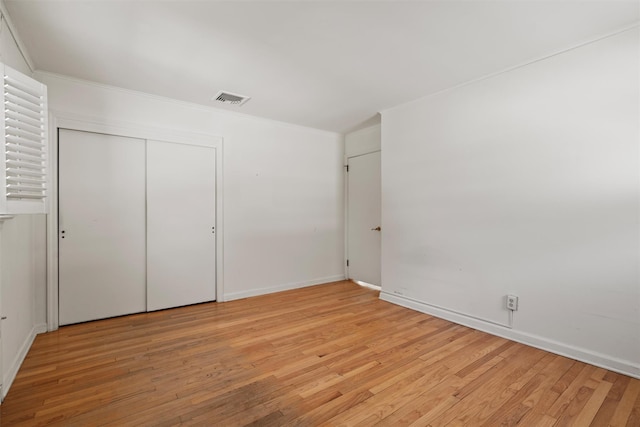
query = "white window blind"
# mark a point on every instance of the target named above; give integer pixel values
(25, 158)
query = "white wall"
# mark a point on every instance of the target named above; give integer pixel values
(9, 50)
(362, 141)
(23, 262)
(282, 184)
(525, 182)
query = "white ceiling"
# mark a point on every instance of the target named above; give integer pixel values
(327, 65)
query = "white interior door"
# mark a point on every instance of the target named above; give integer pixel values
(181, 219)
(101, 226)
(363, 213)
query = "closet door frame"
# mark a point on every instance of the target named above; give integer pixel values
(60, 120)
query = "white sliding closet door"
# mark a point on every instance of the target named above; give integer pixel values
(181, 216)
(101, 226)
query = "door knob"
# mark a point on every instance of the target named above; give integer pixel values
(378, 228)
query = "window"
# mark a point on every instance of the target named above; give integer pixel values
(24, 163)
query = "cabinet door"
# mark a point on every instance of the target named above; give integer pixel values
(101, 225)
(181, 216)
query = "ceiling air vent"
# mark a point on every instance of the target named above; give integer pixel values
(231, 98)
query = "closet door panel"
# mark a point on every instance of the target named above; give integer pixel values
(181, 195)
(101, 225)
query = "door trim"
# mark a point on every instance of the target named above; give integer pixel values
(57, 120)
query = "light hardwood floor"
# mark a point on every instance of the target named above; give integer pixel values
(325, 355)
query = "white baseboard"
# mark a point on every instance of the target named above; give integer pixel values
(7, 380)
(625, 367)
(286, 287)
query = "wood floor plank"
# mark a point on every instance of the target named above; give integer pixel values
(432, 402)
(332, 354)
(608, 407)
(625, 407)
(577, 386)
(532, 395)
(589, 411)
(634, 417)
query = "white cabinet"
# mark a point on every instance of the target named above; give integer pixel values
(181, 218)
(136, 225)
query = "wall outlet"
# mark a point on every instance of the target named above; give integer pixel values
(512, 302)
